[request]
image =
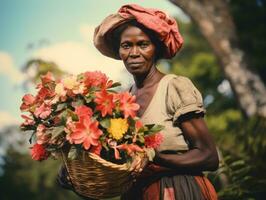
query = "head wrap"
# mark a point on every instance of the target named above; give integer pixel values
(156, 20)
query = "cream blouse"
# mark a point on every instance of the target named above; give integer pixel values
(174, 96)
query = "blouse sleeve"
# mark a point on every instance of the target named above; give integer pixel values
(183, 97)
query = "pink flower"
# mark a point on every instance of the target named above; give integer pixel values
(28, 121)
(85, 132)
(38, 152)
(43, 111)
(104, 102)
(128, 105)
(130, 148)
(154, 140)
(113, 144)
(42, 137)
(70, 125)
(83, 111)
(96, 78)
(28, 101)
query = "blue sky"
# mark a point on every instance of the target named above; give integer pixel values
(54, 30)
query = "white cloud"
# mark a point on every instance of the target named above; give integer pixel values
(7, 68)
(7, 119)
(87, 32)
(76, 57)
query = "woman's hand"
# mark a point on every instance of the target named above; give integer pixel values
(139, 163)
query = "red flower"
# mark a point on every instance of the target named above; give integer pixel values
(28, 101)
(138, 125)
(83, 111)
(38, 152)
(96, 149)
(128, 105)
(154, 140)
(43, 94)
(104, 102)
(47, 78)
(85, 132)
(96, 78)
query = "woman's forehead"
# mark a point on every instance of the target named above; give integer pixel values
(134, 32)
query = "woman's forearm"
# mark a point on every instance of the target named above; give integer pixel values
(193, 160)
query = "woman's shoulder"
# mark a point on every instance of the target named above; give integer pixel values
(179, 82)
(183, 97)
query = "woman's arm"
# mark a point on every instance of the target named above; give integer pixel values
(202, 154)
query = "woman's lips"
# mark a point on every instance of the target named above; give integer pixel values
(135, 64)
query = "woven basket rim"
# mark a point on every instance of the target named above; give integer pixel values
(106, 163)
(124, 167)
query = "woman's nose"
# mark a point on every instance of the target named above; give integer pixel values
(134, 51)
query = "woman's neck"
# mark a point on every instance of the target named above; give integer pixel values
(148, 79)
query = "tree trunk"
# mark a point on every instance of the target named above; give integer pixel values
(216, 24)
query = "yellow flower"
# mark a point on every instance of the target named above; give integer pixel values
(59, 89)
(70, 82)
(118, 127)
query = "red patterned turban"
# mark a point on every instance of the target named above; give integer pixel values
(164, 26)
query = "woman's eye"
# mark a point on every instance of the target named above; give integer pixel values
(144, 45)
(125, 46)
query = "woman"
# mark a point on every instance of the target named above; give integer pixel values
(139, 37)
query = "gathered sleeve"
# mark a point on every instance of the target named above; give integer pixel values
(183, 97)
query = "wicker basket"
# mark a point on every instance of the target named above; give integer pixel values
(94, 177)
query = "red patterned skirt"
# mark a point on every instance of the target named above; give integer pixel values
(169, 185)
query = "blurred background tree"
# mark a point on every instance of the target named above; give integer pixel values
(238, 126)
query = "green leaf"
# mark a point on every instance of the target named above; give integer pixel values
(131, 122)
(149, 126)
(156, 128)
(56, 131)
(105, 123)
(141, 139)
(127, 137)
(63, 115)
(72, 114)
(238, 163)
(78, 102)
(105, 146)
(116, 84)
(61, 106)
(88, 98)
(73, 153)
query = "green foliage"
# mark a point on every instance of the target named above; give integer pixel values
(41, 67)
(240, 184)
(31, 180)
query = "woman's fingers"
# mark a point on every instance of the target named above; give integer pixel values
(138, 164)
(135, 164)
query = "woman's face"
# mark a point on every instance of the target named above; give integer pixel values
(136, 50)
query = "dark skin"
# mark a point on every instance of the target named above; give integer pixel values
(137, 52)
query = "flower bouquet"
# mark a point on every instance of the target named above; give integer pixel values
(91, 126)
